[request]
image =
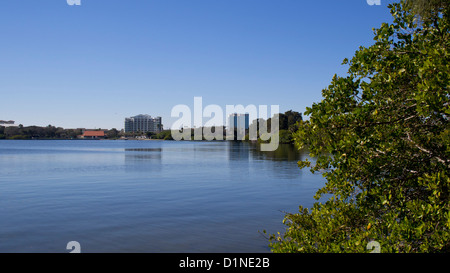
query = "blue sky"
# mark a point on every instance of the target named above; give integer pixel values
(93, 65)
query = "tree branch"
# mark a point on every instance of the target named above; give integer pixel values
(408, 138)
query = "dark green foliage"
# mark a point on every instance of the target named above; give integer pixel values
(48, 132)
(381, 134)
(113, 134)
(286, 137)
(288, 120)
(426, 9)
(288, 125)
(166, 135)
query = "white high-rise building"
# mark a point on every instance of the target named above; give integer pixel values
(143, 123)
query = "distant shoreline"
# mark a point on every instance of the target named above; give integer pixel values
(80, 139)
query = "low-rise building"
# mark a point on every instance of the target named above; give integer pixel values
(93, 135)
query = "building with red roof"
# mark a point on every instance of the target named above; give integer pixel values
(93, 135)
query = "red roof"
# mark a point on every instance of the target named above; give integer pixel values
(94, 133)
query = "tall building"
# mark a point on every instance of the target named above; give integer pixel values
(143, 123)
(238, 121)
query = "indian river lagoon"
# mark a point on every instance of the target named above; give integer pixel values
(147, 196)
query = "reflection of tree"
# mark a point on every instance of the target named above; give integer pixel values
(281, 162)
(239, 150)
(285, 152)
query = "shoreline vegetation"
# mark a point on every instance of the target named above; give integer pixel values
(382, 133)
(288, 126)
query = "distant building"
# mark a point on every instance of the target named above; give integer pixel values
(9, 123)
(93, 135)
(238, 121)
(143, 123)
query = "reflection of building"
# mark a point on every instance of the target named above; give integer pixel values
(146, 160)
(9, 123)
(238, 151)
(143, 123)
(238, 121)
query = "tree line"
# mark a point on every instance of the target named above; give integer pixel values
(48, 132)
(288, 126)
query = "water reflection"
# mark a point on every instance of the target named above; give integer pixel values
(238, 150)
(285, 152)
(180, 196)
(281, 162)
(143, 149)
(242, 156)
(143, 159)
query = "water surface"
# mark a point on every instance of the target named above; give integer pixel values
(147, 196)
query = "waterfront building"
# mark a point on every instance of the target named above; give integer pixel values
(93, 135)
(143, 123)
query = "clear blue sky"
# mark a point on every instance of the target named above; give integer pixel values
(95, 64)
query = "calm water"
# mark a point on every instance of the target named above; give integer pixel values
(147, 196)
